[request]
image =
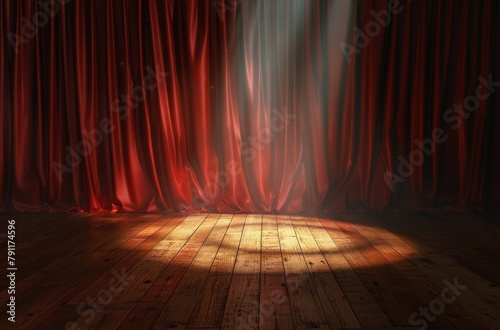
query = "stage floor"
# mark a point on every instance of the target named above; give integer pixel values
(250, 271)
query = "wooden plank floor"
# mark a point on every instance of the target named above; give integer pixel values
(436, 270)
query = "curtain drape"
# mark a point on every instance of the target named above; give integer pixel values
(249, 105)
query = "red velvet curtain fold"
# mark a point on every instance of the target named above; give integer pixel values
(249, 105)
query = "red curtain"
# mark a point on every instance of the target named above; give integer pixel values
(249, 105)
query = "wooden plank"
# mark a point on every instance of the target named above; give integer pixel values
(41, 309)
(242, 306)
(421, 285)
(337, 309)
(275, 310)
(217, 271)
(307, 311)
(179, 307)
(423, 258)
(361, 301)
(140, 274)
(147, 270)
(208, 311)
(374, 270)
